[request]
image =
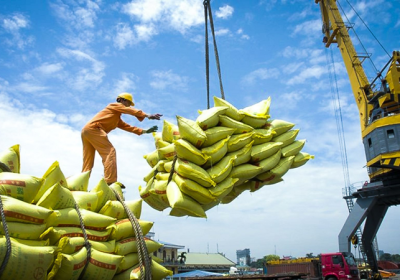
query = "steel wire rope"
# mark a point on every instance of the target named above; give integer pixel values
(207, 8)
(338, 116)
(355, 33)
(4, 167)
(86, 243)
(143, 254)
(369, 29)
(8, 240)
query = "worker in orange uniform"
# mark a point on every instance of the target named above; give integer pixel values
(94, 134)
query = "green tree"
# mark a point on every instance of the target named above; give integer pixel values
(386, 257)
(310, 255)
(396, 257)
(268, 258)
(257, 264)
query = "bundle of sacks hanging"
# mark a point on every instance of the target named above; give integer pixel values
(47, 218)
(199, 164)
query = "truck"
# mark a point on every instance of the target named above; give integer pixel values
(329, 266)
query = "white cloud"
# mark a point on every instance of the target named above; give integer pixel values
(49, 68)
(242, 35)
(168, 79)
(77, 14)
(13, 25)
(84, 77)
(309, 72)
(177, 15)
(224, 12)
(309, 28)
(222, 32)
(125, 84)
(260, 74)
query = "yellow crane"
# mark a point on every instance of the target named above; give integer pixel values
(379, 112)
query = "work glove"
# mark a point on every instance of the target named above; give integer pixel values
(155, 117)
(152, 129)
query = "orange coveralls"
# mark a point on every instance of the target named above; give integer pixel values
(94, 137)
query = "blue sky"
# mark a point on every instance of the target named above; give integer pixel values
(62, 61)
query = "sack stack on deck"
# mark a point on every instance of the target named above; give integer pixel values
(49, 220)
(199, 164)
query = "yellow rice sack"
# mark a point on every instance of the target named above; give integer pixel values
(167, 152)
(238, 126)
(117, 187)
(168, 166)
(191, 131)
(151, 174)
(194, 190)
(70, 245)
(223, 188)
(234, 193)
(19, 211)
(245, 171)
(86, 200)
(151, 198)
(278, 171)
(11, 158)
(116, 210)
(158, 272)
(261, 136)
(158, 141)
(152, 158)
(280, 126)
(231, 112)
(57, 197)
(105, 247)
(68, 217)
(222, 169)
(160, 188)
(255, 121)
(23, 230)
(300, 159)
(130, 245)
(216, 134)
(19, 186)
(127, 262)
(293, 149)
(263, 151)
(52, 176)
(123, 229)
(54, 234)
(242, 155)
(260, 109)
(79, 182)
(170, 132)
(179, 200)
(68, 266)
(162, 176)
(187, 151)
(26, 262)
(215, 152)
(270, 162)
(31, 242)
(286, 138)
(238, 141)
(104, 192)
(196, 173)
(210, 117)
(160, 165)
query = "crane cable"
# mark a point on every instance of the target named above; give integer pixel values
(338, 116)
(208, 13)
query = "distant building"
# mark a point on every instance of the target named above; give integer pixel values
(168, 254)
(212, 262)
(243, 257)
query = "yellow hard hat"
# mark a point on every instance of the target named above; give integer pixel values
(127, 96)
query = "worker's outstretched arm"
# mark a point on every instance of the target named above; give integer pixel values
(150, 130)
(154, 116)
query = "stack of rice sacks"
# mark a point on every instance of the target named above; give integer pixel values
(47, 240)
(199, 164)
